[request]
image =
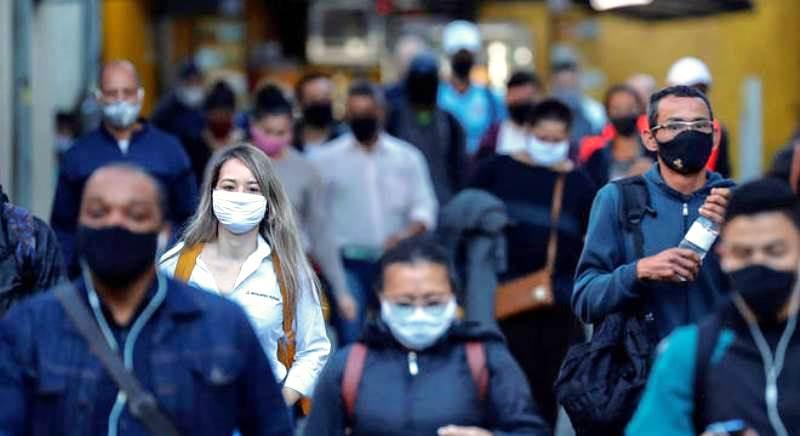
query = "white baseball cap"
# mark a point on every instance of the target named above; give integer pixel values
(689, 71)
(461, 35)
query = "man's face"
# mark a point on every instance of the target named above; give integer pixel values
(527, 93)
(361, 106)
(623, 104)
(317, 91)
(277, 127)
(676, 109)
(768, 239)
(550, 131)
(119, 83)
(119, 197)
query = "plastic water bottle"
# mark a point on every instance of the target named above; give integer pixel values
(701, 236)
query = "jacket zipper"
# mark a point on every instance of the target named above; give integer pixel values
(413, 368)
(685, 209)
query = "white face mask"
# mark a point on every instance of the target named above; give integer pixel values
(121, 114)
(547, 153)
(418, 328)
(237, 211)
(191, 96)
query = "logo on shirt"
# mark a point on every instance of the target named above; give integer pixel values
(259, 294)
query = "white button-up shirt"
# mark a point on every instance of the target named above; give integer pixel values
(372, 195)
(511, 139)
(257, 291)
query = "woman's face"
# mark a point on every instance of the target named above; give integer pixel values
(416, 284)
(277, 127)
(234, 176)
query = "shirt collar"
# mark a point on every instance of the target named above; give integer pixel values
(380, 144)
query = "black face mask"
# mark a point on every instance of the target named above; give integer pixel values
(364, 129)
(625, 126)
(519, 111)
(318, 114)
(688, 152)
(116, 255)
(422, 88)
(765, 290)
(461, 64)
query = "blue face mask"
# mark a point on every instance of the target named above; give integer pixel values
(415, 327)
(121, 114)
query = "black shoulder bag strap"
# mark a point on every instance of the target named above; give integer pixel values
(708, 332)
(141, 403)
(635, 205)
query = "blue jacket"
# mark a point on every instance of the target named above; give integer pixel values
(150, 148)
(606, 275)
(392, 402)
(197, 354)
(733, 386)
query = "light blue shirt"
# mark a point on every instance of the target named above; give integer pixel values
(476, 110)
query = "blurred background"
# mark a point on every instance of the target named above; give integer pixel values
(50, 51)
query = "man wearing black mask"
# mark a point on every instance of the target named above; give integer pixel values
(737, 371)
(378, 192)
(314, 94)
(475, 106)
(435, 132)
(193, 351)
(523, 91)
(617, 152)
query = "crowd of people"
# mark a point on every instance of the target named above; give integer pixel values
(427, 264)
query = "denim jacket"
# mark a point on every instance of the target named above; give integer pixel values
(197, 354)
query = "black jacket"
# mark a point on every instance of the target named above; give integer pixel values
(30, 257)
(391, 401)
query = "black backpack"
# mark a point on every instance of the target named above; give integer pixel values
(601, 381)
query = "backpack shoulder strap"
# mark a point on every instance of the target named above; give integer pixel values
(286, 348)
(635, 205)
(187, 261)
(353, 369)
(707, 337)
(476, 358)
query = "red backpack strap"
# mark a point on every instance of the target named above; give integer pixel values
(353, 368)
(476, 358)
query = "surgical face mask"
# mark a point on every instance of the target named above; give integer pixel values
(765, 290)
(116, 255)
(268, 144)
(237, 211)
(121, 114)
(418, 328)
(422, 88)
(461, 64)
(688, 152)
(547, 153)
(220, 128)
(190, 96)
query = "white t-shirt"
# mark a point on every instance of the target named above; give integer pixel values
(257, 291)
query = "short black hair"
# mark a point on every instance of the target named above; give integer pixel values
(270, 100)
(563, 66)
(365, 88)
(549, 109)
(620, 88)
(520, 78)
(220, 96)
(768, 194)
(422, 248)
(304, 80)
(674, 91)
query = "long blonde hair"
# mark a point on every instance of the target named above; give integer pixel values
(279, 226)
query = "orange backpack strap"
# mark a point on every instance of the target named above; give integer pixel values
(476, 358)
(187, 261)
(286, 347)
(353, 369)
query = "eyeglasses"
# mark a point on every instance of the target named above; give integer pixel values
(676, 127)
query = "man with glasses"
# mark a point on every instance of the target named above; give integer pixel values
(621, 272)
(122, 137)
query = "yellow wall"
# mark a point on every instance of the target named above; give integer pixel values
(128, 34)
(535, 15)
(763, 42)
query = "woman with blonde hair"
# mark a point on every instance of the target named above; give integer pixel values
(243, 243)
